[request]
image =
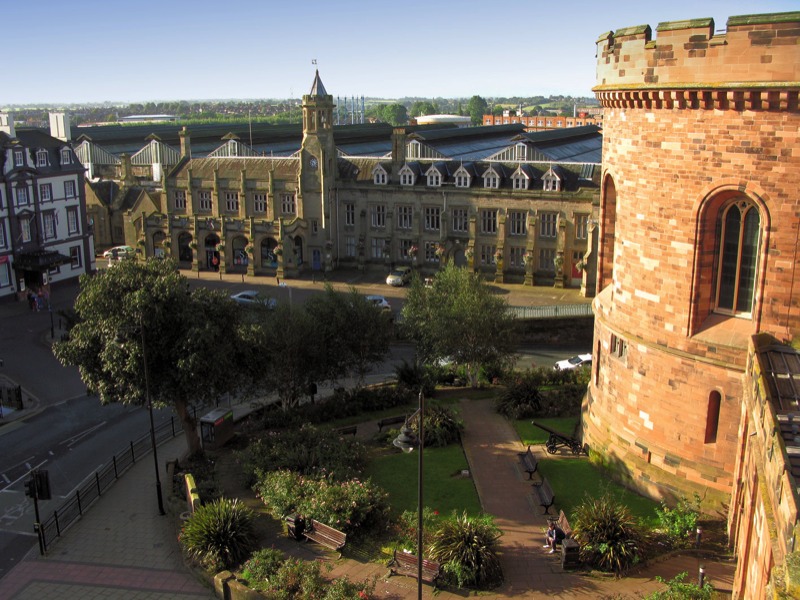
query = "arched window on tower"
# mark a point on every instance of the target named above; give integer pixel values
(740, 238)
(712, 417)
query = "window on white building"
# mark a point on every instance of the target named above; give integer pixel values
(66, 156)
(548, 222)
(41, 157)
(349, 214)
(49, 225)
(22, 196)
(25, 229)
(69, 189)
(45, 192)
(73, 225)
(3, 238)
(432, 218)
(75, 256)
(19, 158)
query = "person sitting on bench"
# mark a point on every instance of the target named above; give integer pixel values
(555, 535)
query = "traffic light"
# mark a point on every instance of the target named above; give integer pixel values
(30, 488)
(38, 486)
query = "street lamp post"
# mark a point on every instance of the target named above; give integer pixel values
(150, 412)
(406, 442)
(152, 425)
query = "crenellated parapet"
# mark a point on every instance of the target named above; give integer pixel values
(754, 65)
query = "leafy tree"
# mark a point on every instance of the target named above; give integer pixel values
(459, 318)
(285, 358)
(477, 107)
(353, 334)
(396, 114)
(145, 311)
(423, 107)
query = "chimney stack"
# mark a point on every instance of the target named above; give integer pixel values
(7, 124)
(59, 126)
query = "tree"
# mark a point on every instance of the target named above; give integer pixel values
(459, 318)
(422, 108)
(396, 114)
(136, 310)
(353, 333)
(477, 107)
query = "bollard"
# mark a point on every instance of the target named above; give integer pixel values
(701, 576)
(699, 535)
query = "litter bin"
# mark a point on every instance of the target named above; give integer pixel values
(295, 526)
(570, 554)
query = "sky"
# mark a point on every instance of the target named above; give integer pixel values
(87, 51)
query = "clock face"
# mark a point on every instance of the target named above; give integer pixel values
(313, 162)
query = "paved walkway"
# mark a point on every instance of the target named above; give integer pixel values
(123, 549)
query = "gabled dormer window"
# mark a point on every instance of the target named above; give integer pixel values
(66, 156)
(491, 180)
(406, 176)
(19, 158)
(379, 176)
(520, 181)
(551, 182)
(462, 178)
(41, 157)
(434, 178)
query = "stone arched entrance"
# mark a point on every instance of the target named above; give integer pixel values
(210, 254)
(185, 253)
(159, 248)
(267, 253)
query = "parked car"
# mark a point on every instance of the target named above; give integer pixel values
(399, 276)
(119, 252)
(573, 363)
(380, 302)
(253, 298)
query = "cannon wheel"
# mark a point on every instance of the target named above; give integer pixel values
(576, 448)
(551, 447)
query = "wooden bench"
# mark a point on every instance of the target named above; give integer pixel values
(390, 421)
(529, 462)
(404, 563)
(350, 430)
(545, 493)
(563, 524)
(325, 535)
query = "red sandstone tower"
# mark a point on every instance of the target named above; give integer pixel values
(698, 241)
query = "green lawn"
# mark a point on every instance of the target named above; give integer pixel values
(573, 479)
(444, 489)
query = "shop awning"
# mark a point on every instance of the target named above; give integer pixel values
(40, 261)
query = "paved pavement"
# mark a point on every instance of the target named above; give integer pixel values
(123, 549)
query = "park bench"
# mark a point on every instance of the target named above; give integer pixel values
(404, 563)
(570, 550)
(557, 439)
(349, 430)
(529, 462)
(390, 421)
(545, 493)
(325, 535)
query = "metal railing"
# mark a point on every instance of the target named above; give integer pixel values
(100, 481)
(550, 312)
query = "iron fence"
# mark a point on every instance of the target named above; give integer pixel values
(551, 312)
(100, 481)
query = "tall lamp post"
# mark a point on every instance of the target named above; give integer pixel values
(150, 411)
(406, 442)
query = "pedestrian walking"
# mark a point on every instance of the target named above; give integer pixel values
(31, 301)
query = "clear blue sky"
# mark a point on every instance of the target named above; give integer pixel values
(84, 51)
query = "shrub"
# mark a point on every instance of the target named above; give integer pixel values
(678, 589)
(350, 506)
(415, 376)
(307, 450)
(466, 547)
(262, 566)
(303, 579)
(609, 535)
(679, 523)
(542, 392)
(441, 427)
(220, 534)
(521, 398)
(407, 529)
